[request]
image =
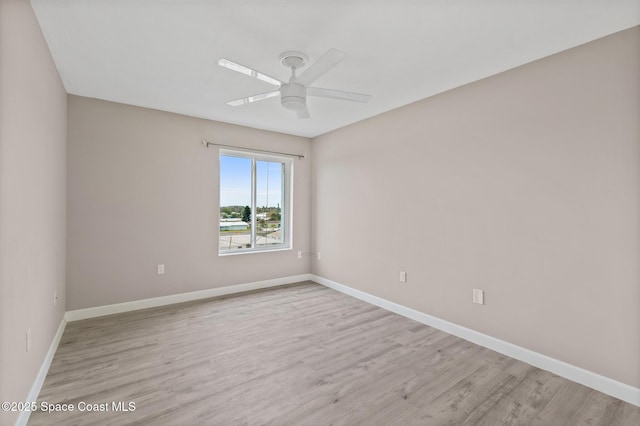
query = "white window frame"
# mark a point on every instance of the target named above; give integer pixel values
(286, 211)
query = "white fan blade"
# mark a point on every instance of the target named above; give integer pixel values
(338, 94)
(321, 66)
(303, 113)
(248, 71)
(254, 98)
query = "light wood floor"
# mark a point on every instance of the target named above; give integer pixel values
(302, 355)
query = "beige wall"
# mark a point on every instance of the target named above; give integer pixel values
(32, 199)
(525, 185)
(143, 191)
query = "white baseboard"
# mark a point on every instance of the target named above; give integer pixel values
(23, 418)
(595, 381)
(99, 311)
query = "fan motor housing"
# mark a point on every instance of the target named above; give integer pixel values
(293, 96)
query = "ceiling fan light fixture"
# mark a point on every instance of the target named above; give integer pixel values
(293, 103)
(293, 96)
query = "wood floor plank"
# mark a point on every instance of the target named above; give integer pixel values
(301, 355)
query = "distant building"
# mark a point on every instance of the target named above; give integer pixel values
(234, 226)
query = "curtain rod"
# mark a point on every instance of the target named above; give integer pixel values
(207, 144)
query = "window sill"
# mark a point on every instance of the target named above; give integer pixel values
(253, 251)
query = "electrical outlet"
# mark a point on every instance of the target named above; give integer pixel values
(478, 296)
(160, 269)
(28, 347)
(403, 277)
(318, 255)
(299, 255)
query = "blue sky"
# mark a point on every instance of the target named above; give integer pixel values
(235, 182)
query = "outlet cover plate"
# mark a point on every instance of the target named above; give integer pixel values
(478, 296)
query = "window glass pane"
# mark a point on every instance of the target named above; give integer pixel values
(270, 203)
(253, 193)
(235, 203)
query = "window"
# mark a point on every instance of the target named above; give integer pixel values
(255, 202)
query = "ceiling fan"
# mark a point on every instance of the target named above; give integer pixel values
(293, 94)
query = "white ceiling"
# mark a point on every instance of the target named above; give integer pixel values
(163, 54)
